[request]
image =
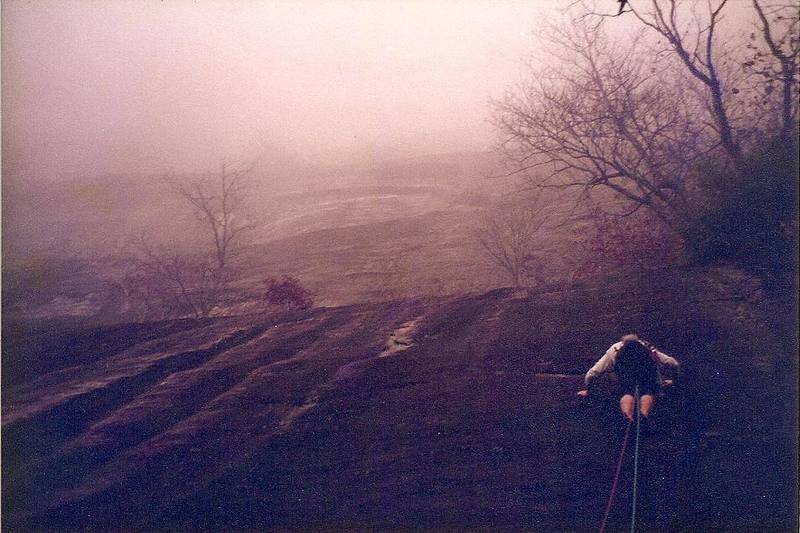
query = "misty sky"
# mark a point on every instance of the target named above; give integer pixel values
(95, 87)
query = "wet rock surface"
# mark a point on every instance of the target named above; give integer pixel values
(470, 421)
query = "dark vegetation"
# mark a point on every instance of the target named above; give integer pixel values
(750, 217)
(633, 244)
(293, 421)
(287, 292)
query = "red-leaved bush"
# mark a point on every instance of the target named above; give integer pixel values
(288, 292)
(632, 243)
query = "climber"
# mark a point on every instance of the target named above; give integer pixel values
(635, 362)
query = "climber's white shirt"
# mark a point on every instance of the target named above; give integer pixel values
(609, 359)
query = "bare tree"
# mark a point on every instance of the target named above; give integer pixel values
(162, 282)
(691, 36)
(691, 33)
(641, 118)
(218, 203)
(754, 218)
(509, 233)
(698, 58)
(605, 116)
(779, 26)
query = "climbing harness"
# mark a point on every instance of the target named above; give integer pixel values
(619, 468)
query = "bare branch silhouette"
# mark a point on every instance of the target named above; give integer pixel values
(508, 233)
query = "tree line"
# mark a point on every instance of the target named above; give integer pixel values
(684, 129)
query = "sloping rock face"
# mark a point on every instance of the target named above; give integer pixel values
(317, 420)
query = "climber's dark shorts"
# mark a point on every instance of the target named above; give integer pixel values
(647, 385)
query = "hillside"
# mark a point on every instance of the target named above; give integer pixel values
(465, 417)
(407, 225)
(346, 245)
(413, 255)
(366, 239)
(95, 214)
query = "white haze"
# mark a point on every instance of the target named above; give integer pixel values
(96, 88)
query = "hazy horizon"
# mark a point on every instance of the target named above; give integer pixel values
(141, 87)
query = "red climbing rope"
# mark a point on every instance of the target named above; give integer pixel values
(616, 477)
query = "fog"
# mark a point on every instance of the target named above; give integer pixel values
(364, 132)
(93, 88)
(96, 88)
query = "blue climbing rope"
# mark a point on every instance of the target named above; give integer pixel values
(619, 467)
(635, 459)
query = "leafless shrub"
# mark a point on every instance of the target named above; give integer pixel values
(163, 284)
(509, 234)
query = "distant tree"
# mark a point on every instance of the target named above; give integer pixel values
(218, 202)
(166, 282)
(287, 292)
(508, 234)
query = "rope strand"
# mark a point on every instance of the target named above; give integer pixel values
(635, 459)
(616, 477)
